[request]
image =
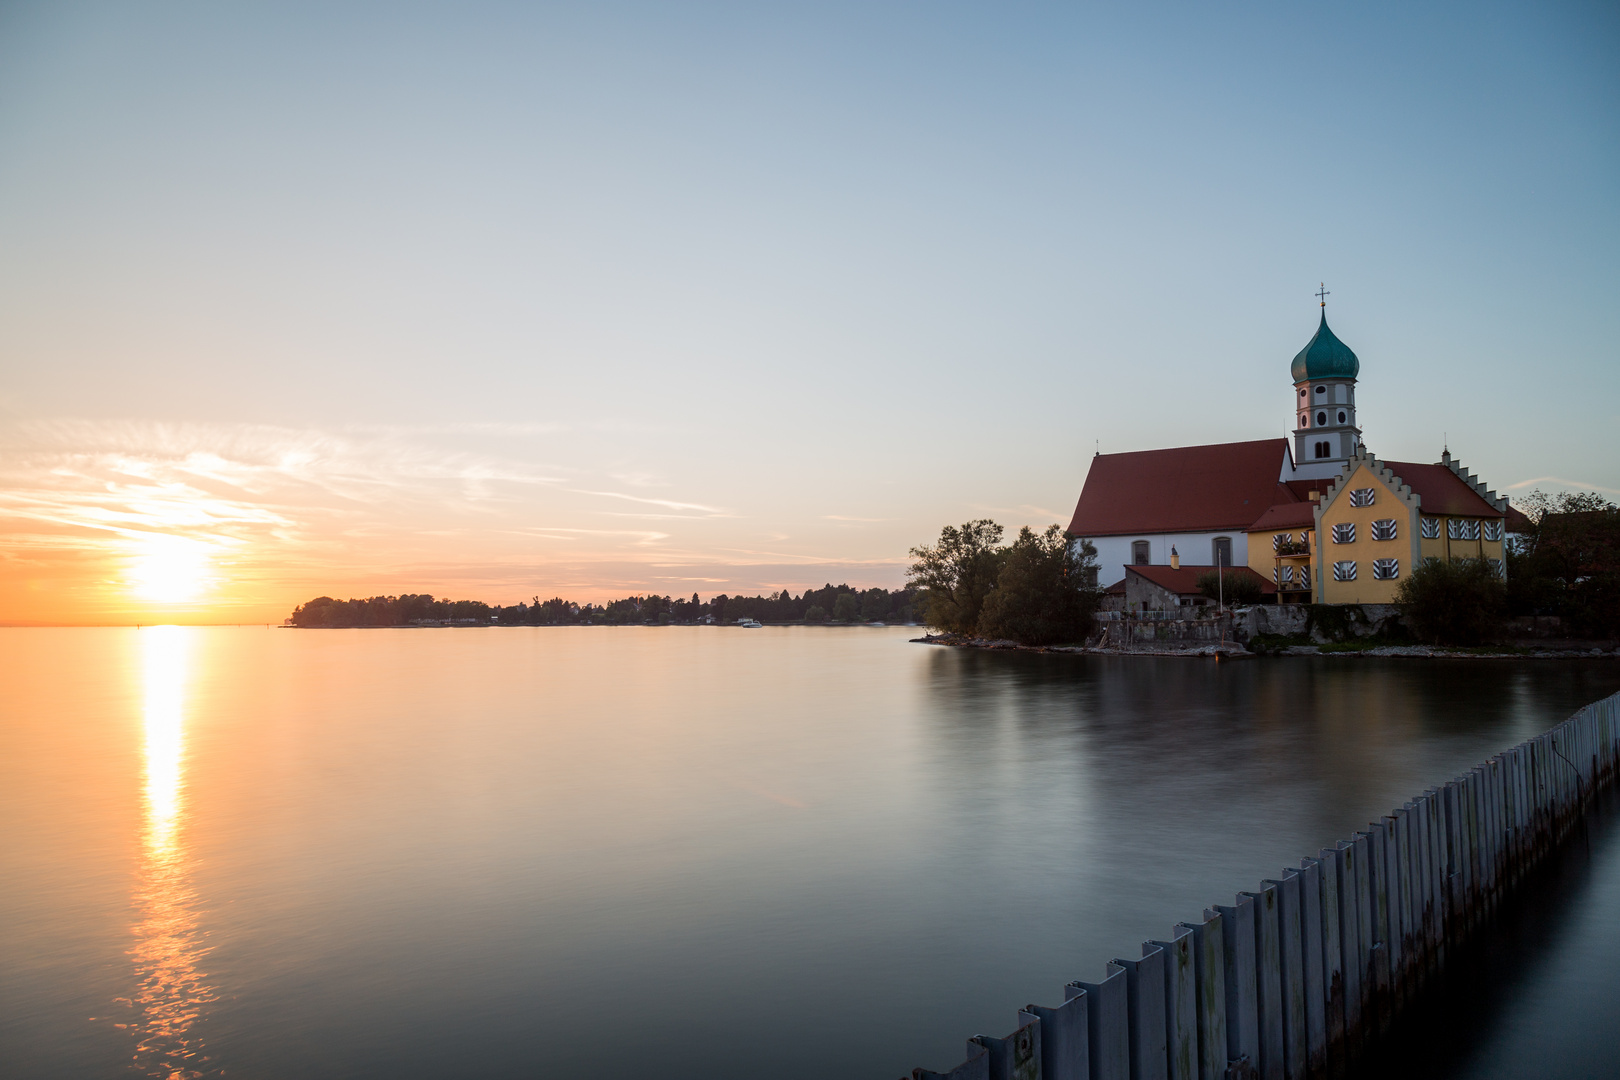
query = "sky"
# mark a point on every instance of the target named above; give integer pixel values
(496, 301)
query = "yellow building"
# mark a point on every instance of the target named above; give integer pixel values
(1378, 519)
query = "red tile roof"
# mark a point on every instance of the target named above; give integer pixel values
(1184, 581)
(1285, 516)
(1517, 522)
(1442, 491)
(1185, 489)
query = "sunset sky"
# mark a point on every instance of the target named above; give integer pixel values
(493, 301)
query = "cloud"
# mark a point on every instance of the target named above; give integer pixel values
(1561, 482)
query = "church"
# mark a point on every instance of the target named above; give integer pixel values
(1316, 518)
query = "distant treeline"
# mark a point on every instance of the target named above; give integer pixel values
(831, 603)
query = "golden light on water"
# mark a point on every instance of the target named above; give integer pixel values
(171, 989)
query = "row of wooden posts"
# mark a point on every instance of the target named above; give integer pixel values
(1303, 976)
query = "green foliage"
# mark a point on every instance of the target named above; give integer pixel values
(846, 608)
(1569, 563)
(1457, 602)
(1044, 594)
(956, 574)
(816, 614)
(1235, 588)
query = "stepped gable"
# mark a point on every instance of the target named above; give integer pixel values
(1183, 489)
(1443, 491)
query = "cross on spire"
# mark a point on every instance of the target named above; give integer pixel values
(1323, 293)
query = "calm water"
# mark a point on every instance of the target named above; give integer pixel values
(695, 852)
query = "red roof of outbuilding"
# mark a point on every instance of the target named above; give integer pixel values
(1517, 522)
(1184, 580)
(1184, 489)
(1442, 491)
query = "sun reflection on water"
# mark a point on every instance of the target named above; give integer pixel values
(171, 990)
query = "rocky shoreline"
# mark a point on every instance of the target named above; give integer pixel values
(1235, 651)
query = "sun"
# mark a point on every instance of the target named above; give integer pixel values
(171, 570)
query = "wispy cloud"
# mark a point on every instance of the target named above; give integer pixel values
(1580, 485)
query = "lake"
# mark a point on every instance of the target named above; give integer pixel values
(679, 851)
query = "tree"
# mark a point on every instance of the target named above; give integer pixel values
(1569, 562)
(815, 614)
(1044, 593)
(956, 574)
(1453, 602)
(1232, 588)
(846, 608)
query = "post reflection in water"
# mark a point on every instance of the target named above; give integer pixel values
(171, 989)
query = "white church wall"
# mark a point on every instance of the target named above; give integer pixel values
(1195, 549)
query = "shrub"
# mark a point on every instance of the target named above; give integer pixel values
(1457, 602)
(1236, 588)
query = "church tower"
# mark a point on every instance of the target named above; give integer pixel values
(1325, 431)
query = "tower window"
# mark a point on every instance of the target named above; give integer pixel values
(1324, 449)
(1341, 416)
(1302, 392)
(1139, 552)
(1304, 421)
(1321, 419)
(1321, 389)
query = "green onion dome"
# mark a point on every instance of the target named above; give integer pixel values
(1326, 357)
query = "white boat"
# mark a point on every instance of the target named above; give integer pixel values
(749, 624)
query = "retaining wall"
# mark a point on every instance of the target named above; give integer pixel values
(1300, 977)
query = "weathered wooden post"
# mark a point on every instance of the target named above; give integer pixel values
(1291, 954)
(1108, 1025)
(1268, 980)
(1242, 993)
(1180, 1006)
(1065, 1038)
(1209, 956)
(1144, 999)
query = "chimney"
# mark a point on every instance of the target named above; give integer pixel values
(1175, 560)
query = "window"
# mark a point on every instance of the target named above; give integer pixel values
(1386, 569)
(1341, 416)
(1470, 530)
(1363, 496)
(1344, 532)
(1344, 571)
(1454, 528)
(1462, 529)
(1089, 576)
(1430, 528)
(1496, 564)
(1139, 552)
(1302, 391)
(1304, 420)
(1222, 550)
(1321, 419)
(1281, 539)
(1493, 530)
(1324, 449)
(1321, 389)
(1383, 529)
(1285, 575)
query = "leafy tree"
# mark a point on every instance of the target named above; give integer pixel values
(1234, 588)
(846, 608)
(957, 574)
(1569, 562)
(815, 614)
(1044, 593)
(1455, 602)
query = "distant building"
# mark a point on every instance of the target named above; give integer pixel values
(1318, 518)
